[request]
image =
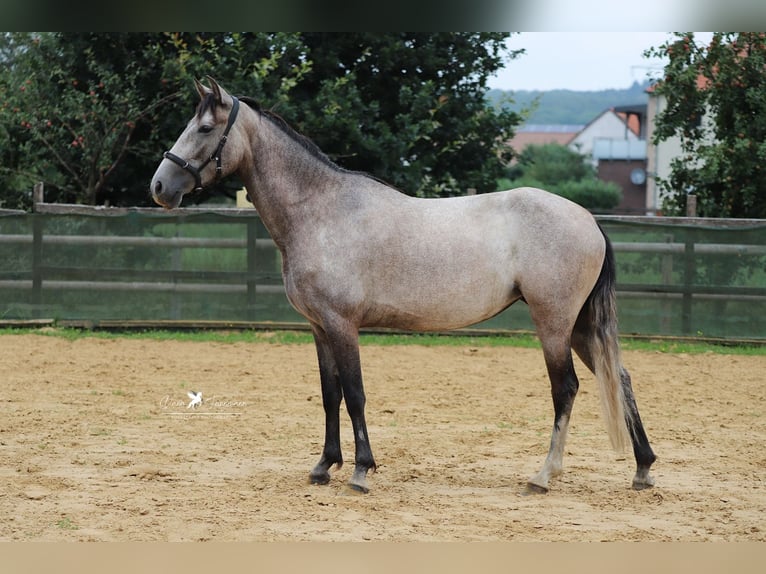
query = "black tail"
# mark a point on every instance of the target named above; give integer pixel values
(600, 310)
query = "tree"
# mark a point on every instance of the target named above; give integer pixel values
(565, 172)
(91, 113)
(71, 105)
(716, 106)
(409, 108)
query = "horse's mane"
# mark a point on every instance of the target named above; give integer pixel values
(305, 142)
(208, 102)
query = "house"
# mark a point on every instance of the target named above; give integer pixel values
(616, 143)
(540, 134)
(610, 125)
(660, 155)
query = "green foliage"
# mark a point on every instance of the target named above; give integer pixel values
(70, 115)
(553, 163)
(592, 193)
(90, 114)
(558, 169)
(408, 108)
(716, 106)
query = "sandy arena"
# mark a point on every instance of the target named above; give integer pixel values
(97, 443)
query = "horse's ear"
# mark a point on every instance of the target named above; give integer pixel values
(201, 90)
(217, 90)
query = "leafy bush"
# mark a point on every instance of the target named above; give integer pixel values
(565, 172)
(591, 193)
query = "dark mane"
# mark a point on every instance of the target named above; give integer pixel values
(208, 102)
(297, 137)
(304, 141)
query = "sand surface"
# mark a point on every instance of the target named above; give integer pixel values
(97, 443)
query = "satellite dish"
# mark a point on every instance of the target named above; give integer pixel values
(638, 176)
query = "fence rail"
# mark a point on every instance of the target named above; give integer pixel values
(188, 242)
(234, 277)
(42, 277)
(206, 242)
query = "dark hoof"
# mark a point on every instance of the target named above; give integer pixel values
(535, 489)
(320, 478)
(642, 484)
(320, 474)
(358, 488)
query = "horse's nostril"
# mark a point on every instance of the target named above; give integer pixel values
(157, 188)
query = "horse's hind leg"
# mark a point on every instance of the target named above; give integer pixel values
(332, 395)
(564, 386)
(645, 457)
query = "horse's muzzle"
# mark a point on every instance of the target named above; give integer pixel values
(164, 196)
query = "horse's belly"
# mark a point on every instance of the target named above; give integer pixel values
(423, 313)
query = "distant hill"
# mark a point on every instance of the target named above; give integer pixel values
(568, 106)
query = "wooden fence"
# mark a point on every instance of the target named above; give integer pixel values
(255, 281)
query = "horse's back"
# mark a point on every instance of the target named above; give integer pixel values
(527, 219)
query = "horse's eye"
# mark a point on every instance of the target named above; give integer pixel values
(205, 129)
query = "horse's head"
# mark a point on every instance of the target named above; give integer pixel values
(197, 159)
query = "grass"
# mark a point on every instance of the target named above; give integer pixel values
(66, 524)
(662, 345)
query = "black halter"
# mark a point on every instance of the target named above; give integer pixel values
(216, 155)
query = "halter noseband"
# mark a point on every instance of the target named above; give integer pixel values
(216, 155)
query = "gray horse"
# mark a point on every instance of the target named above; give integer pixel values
(359, 253)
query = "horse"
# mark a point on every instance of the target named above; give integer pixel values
(359, 253)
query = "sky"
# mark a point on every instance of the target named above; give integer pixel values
(580, 60)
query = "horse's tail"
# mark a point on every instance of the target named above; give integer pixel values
(600, 313)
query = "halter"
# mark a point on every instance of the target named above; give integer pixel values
(216, 155)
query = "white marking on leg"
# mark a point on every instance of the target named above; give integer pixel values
(554, 461)
(558, 441)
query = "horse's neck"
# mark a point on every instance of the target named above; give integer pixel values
(285, 182)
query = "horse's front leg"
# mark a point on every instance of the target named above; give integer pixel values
(343, 340)
(353, 389)
(332, 395)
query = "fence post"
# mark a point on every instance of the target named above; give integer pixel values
(37, 263)
(38, 195)
(252, 267)
(176, 264)
(690, 269)
(691, 205)
(666, 267)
